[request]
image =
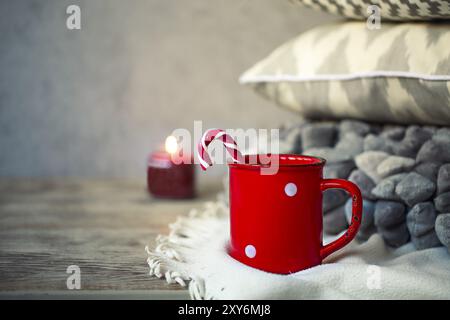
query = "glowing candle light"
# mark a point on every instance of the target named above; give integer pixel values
(166, 179)
(171, 144)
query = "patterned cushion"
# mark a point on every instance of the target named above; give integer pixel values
(389, 9)
(400, 73)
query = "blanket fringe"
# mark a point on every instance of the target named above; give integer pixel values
(170, 257)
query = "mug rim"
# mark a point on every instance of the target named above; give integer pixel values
(318, 161)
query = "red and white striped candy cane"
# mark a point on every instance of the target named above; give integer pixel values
(228, 142)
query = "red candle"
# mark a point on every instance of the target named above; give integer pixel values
(166, 179)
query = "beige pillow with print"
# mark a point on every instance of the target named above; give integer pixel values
(395, 10)
(399, 73)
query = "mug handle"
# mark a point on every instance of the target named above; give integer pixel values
(348, 236)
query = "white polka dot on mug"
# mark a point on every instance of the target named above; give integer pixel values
(290, 189)
(250, 251)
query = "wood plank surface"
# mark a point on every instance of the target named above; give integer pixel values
(102, 226)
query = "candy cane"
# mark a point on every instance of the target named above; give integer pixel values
(228, 142)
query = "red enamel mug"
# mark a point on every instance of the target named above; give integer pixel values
(276, 220)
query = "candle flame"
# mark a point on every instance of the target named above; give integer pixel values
(171, 144)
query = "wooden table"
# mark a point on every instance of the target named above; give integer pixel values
(102, 226)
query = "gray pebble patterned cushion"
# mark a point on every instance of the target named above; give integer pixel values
(395, 10)
(403, 173)
(400, 73)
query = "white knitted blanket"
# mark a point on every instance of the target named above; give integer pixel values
(194, 254)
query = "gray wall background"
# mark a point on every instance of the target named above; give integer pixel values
(94, 102)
